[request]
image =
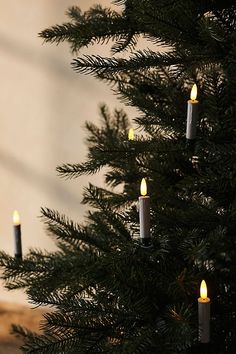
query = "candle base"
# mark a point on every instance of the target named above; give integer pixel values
(146, 242)
(128, 146)
(202, 349)
(18, 256)
(205, 348)
(190, 144)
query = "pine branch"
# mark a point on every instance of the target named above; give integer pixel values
(101, 144)
(84, 29)
(48, 343)
(97, 65)
(95, 197)
(69, 232)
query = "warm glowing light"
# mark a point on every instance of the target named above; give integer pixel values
(131, 134)
(143, 187)
(193, 94)
(203, 290)
(16, 218)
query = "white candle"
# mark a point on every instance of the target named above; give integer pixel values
(204, 314)
(131, 134)
(192, 114)
(144, 211)
(17, 234)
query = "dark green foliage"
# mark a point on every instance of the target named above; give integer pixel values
(110, 294)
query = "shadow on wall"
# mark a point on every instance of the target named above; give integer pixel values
(59, 68)
(32, 57)
(59, 109)
(36, 178)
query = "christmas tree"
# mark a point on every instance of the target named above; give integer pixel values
(111, 290)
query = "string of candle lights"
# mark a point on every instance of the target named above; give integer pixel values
(144, 221)
(144, 218)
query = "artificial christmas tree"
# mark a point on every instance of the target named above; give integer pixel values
(111, 292)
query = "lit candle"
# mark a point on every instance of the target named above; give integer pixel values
(192, 114)
(131, 134)
(144, 213)
(17, 234)
(204, 314)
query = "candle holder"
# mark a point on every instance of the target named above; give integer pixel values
(203, 348)
(146, 242)
(190, 145)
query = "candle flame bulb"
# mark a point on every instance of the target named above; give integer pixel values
(143, 187)
(203, 290)
(131, 134)
(193, 94)
(16, 218)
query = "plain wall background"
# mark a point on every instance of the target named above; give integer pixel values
(43, 107)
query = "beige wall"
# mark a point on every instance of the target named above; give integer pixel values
(43, 107)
